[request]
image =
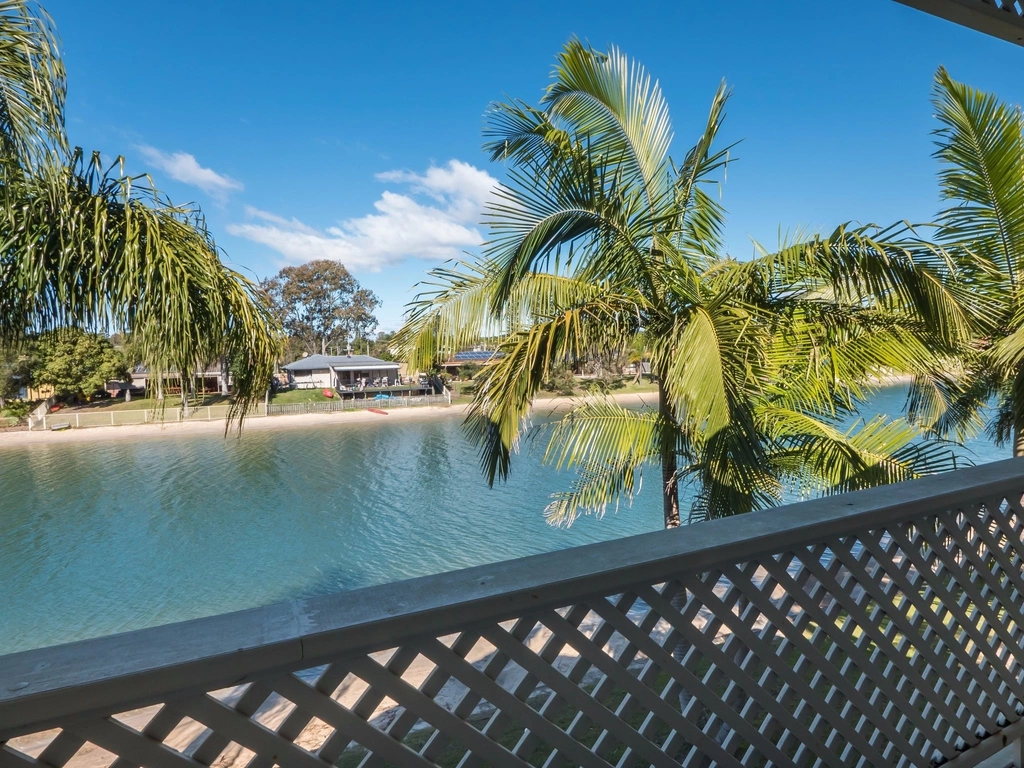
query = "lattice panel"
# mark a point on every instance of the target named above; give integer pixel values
(892, 646)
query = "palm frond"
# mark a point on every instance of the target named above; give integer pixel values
(80, 246)
(596, 488)
(877, 452)
(571, 213)
(889, 269)
(981, 148)
(506, 388)
(706, 360)
(700, 217)
(33, 84)
(602, 432)
(614, 102)
(951, 403)
(608, 445)
(520, 133)
(732, 472)
(451, 312)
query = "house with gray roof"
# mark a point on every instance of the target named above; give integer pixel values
(341, 372)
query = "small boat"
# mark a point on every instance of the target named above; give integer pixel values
(60, 427)
(377, 410)
(328, 393)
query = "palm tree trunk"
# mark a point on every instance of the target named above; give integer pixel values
(669, 487)
(224, 375)
(1018, 440)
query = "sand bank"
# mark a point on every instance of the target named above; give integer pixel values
(262, 423)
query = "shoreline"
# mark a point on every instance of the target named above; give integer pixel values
(269, 423)
(17, 439)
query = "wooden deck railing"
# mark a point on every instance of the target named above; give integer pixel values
(879, 628)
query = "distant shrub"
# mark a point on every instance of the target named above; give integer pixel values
(17, 409)
(469, 370)
(595, 386)
(560, 380)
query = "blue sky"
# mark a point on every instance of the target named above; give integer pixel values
(352, 130)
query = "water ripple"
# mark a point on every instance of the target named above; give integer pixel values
(111, 536)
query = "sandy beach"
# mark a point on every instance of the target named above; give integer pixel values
(263, 423)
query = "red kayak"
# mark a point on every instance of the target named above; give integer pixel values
(377, 410)
(328, 393)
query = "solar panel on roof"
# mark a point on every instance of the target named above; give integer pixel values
(475, 355)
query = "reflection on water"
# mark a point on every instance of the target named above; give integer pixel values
(108, 536)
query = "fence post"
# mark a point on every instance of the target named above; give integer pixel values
(111, 418)
(208, 416)
(44, 421)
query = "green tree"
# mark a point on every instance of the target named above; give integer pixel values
(86, 245)
(16, 366)
(382, 346)
(78, 364)
(980, 146)
(598, 237)
(321, 305)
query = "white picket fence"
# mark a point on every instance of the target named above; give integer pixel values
(335, 406)
(112, 418)
(41, 418)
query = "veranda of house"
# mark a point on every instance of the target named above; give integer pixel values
(352, 375)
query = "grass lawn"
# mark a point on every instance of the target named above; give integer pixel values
(300, 396)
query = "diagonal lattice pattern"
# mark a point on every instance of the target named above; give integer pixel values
(894, 644)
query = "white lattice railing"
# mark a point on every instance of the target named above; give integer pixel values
(879, 628)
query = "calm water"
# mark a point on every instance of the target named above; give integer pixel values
(108, 536)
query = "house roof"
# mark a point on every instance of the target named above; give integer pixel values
(340, 363)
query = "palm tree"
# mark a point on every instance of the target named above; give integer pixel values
(599, 238)
(87, 245)
(980, 145)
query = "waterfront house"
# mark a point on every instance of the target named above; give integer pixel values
(341, 372)
(144, 382)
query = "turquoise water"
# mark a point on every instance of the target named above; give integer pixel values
(108, 536)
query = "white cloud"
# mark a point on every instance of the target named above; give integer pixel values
(293, 223)
(183, 167)
(404, 225)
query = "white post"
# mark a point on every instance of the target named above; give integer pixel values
(78, 422)
(208, 416)
(44, 421)
(111, 418)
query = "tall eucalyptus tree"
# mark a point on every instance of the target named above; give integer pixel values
(598, 237)
(83, 244)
